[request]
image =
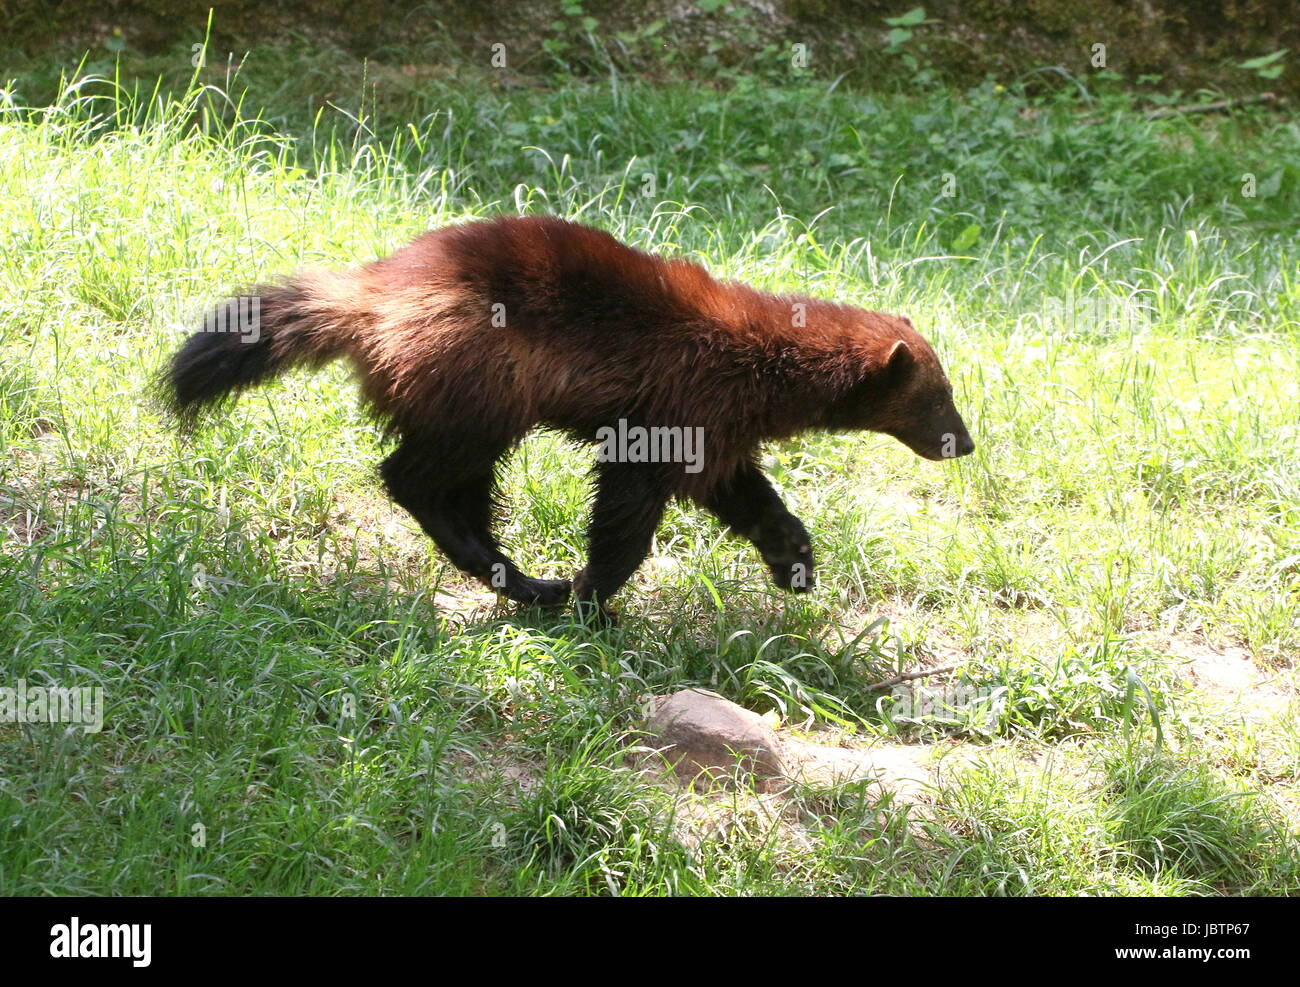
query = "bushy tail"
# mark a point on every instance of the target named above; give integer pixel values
(250, 339)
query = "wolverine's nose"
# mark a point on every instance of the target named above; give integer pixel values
(956, 443)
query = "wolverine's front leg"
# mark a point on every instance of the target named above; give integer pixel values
(747, 504)
(630, 501)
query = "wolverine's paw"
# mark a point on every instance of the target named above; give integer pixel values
(542, 592)
(585, 606)
(784, 544)
(794, 572)
(794, 576)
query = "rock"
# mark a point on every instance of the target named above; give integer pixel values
(708, 738)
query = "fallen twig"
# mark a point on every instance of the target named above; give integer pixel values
(1218, 106)
(908, 676)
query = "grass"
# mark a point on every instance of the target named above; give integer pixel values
(303, 699)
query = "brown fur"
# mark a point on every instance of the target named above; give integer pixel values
(594, 331)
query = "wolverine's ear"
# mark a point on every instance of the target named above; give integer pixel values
(900, 357)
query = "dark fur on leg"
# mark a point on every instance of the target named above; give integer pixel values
(630, 501)
(747, 503)
(454, 507)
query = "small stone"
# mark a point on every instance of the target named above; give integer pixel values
(709, 738)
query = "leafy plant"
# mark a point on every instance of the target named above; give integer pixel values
(1266, 66)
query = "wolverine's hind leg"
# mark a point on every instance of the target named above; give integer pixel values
(630, 500)
(449, 487)
(747, 504)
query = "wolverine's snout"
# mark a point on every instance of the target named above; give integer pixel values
(949, 444)
(962, 444)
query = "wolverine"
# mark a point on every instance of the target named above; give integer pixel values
(472, 335)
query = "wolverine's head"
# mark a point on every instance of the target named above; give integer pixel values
(902, 391)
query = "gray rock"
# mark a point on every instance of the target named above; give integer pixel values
(710, 739)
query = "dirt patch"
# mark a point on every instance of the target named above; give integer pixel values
(903, 770)
(494, 768)
(1227, 673)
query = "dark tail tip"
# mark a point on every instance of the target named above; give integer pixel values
(214, 365)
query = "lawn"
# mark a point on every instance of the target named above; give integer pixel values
(303, 698)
